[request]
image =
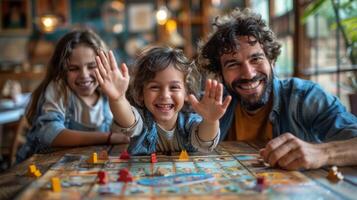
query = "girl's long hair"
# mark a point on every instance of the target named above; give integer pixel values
(56, 68)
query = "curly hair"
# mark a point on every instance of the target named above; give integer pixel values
(155, 59)
(225, 39)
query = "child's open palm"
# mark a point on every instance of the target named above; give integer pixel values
(211, 107)
(114, 82)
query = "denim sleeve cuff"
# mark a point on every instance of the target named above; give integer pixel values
(133, 130)
(201, 145)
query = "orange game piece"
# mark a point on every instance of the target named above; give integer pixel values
(125, 155)
(153, 158)
(56, 184)
(103, 177)
(103, 155)
(183, 155)
(93, 159)
(125, 176)
(33, 171)
(334, 175)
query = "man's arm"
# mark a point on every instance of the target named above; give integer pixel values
(292, 153)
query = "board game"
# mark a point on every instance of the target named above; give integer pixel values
(224, 174)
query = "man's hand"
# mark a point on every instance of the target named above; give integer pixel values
(114, 82)
(211, 107)
(289, 152)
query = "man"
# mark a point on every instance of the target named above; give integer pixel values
(306, 127)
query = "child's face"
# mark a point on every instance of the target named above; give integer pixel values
(80, 74)
(164, 96)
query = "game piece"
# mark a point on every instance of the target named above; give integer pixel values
(183, 155)
(103, 155)
(125, 155)
(103, 177)
(334, 175)
(56, 184)
(153, 158)
(125, 176)
(93, 159)
(33, 171)
(260, 183)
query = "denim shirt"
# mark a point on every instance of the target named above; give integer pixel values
(47, 125)
(145, 143)
(302, 108)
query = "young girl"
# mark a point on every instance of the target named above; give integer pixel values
(68, 109)
(163, 78)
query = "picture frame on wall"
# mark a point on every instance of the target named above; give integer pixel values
(15, 17)
(141, 17)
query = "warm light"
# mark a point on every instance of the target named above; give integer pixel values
(171, 26)
(162, 15)
(216, 3)
(48, 23)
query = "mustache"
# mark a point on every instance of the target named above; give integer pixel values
(237, 82)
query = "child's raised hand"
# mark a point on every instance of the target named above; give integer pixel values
(114, 82)
(211, 107)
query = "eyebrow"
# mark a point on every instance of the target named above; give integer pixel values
(235, 60)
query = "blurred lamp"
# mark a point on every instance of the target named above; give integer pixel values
(48, 23)
(162, 15)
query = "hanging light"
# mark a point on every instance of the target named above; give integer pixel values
(48, 23)
(162, 15)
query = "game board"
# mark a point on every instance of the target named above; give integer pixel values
(234, 173)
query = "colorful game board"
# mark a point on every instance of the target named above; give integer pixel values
(224, 175)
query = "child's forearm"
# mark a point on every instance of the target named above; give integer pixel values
(122, 113)
(207, 131)
(70, 138)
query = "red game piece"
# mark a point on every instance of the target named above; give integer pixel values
(125, 176)
(153, 158)
(261, 183)
(125, 155)
(103, 177)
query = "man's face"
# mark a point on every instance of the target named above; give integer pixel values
(248, 74)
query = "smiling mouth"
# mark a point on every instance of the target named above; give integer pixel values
(164, 107)
(250, 85)
(85, 84)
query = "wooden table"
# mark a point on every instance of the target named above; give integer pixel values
(15, 184)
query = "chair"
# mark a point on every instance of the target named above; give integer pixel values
(19, 138)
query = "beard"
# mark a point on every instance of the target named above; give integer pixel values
(254, 101)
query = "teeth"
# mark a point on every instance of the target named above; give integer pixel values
(85, 84)
(165, 106)
(251, 85)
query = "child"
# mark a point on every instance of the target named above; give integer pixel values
(68, 109)
(162, 80)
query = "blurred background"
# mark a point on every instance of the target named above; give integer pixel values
(318, 39)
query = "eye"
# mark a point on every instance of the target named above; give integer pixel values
(175, 87)
(256, 60)
(72, 68)
(92, 66)
(154, 87)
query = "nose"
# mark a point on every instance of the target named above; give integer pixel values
(165, 93)
(85, 72)
(247, 71)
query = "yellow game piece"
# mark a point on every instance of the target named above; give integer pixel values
(37, 173)
(56, 184)
(93, 158)
(183, 155)
(33, 171)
